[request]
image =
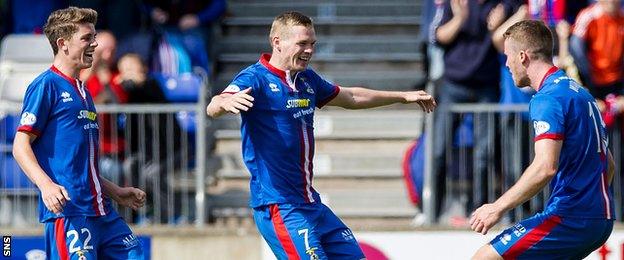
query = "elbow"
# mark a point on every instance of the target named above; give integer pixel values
(549, 171)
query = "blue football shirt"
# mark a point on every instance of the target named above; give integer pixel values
(563, 110)
(277, 132)
(59, 110)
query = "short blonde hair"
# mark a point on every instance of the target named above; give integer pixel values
(287, 19)
(63, 23)
(534, 36)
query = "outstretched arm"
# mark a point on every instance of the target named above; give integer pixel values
(230, 103)
(54, 196)
(130, 197)
(533, 180)
(359, 98)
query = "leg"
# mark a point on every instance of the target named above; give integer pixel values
(70, 238)
(448, 94)
(484, 147)
(116, 239)
(290, 231)
(337, 239)
(486, 252)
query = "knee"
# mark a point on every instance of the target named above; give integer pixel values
(486, 252)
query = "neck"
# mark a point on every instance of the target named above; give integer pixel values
(277, 63)
(66, 68)
(537, 72)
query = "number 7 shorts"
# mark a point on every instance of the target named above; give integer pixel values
(82, 237)
(306, 231)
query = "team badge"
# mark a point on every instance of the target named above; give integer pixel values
(541, 127)
(28, 119)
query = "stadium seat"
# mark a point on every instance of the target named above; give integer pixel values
(180, 88)
(8, 126)
(11, 176)
(13, 84)
(26, 48)
(186, 120)
(22, 58)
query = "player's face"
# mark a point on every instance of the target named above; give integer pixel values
(81, 45)
(297, 46)
(514, 64)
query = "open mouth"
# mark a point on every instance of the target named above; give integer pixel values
(305, 58)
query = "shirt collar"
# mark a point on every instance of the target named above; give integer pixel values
(71, 80)
(550, 71)
(264, 60)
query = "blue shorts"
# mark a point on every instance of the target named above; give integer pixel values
(306, 231)
(545, 236)
(82, 237)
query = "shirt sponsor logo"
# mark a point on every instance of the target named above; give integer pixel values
(296, 103)
(66, 97)
(231, 88)
(28, 119)
(87, 114)
(541, 127)
(304, 112)
(273, 87)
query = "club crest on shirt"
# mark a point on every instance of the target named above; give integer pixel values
(28, 119)
(541, 127)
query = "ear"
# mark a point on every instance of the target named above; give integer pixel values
(523, 56)
(275, 41)
(61, 44)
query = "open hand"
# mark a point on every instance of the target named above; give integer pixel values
(130, 197)
(496, 17)
(54, 196)
(240, 101)
(425, 101)
(484, 218)
(460, 9)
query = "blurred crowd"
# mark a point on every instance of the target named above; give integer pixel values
(463, 42)
(143, 45)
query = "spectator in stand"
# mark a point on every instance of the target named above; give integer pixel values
(29, 16)
(554, 11)
(150, 154)
(190, 20)
(471, 74)
(122, 17)
(596, 44)
(98, 80)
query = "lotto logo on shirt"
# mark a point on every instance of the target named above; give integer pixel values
(295, 103)
(87, 114)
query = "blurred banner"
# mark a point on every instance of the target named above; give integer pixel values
(446, 245)
(33, 247)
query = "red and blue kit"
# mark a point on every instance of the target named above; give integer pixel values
(60, 112)
(579, 214)
(278, 150)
